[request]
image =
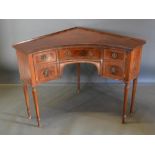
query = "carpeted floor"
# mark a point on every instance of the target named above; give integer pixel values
(96, 110)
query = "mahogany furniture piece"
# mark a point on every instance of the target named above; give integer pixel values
(44, 58)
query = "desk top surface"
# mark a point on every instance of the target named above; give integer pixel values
(78, 36)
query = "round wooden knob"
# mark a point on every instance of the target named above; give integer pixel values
(46, 72)
(114, 55)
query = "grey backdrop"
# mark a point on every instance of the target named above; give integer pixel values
(12, 31)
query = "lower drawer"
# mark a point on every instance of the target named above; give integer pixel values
(46, 72)
(113, 70)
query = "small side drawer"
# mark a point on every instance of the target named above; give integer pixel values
(113, 70)
(114, 54)
(46, 72)
(79, 53)
(45, 56)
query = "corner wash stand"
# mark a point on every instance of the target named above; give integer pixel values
(43, 59)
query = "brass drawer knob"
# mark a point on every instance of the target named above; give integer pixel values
(83, 53)
(44, 57)
(46, 72)
(114, 55)
(113, 70)
(68, 53)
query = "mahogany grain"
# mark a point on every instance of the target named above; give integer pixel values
(43, 59)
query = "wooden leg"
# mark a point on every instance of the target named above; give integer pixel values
(78, 78)
(126, 89)
(25, 88)
(133, 94)
(35, 98)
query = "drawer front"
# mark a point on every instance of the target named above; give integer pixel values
(79, 53)
(46, 72)
(45, 56)
(113, 70)
(114, 54)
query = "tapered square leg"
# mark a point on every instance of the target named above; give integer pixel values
(126, 89)
(25, 89)
(78, 78)
(135, 81)
(35, 98)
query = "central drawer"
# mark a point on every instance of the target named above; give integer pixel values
(79, 53)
